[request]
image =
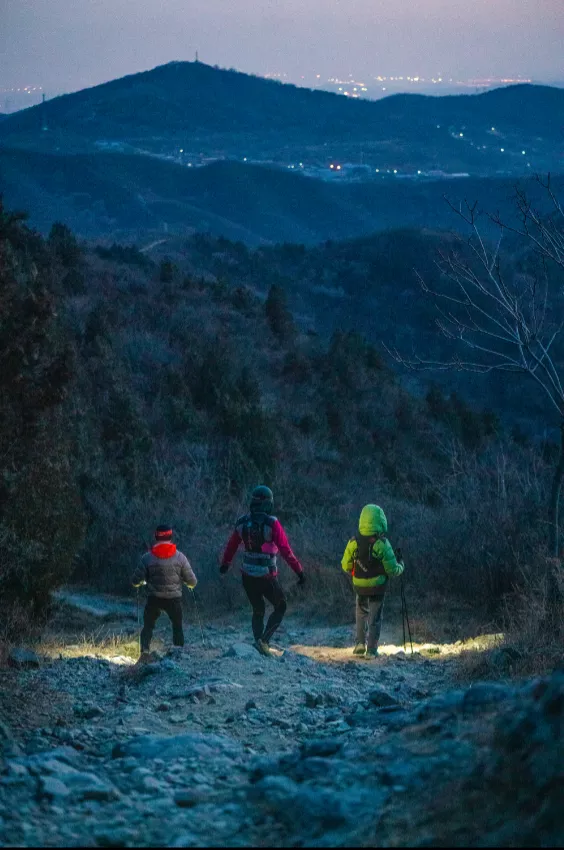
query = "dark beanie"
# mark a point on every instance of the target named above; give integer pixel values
(163, 532)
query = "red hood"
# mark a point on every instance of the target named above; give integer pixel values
(164, 550)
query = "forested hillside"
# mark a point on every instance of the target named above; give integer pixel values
(128, 197)
(192, 108)
(145, 391)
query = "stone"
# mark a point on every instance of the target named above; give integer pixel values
(16, 770)
(114, 837)
(151, 784)
(148, 747)
(250, 704)
(187, 839)
(313, 700)
(23, 659)
(275, 791)
(322, 747)
(87, 786)
(381, 698)
(53, 788)
(241, 650)
(163, 706)
(485, 695)
(188, 798)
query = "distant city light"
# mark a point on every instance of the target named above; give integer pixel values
(377, 171)
(461, 135)
(395, 171)
(523, 152)
(502, 150)
(181, 150)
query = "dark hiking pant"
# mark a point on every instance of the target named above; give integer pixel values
(369, 619)
(259, 589)
(153, 610)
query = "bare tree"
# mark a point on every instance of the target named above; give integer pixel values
(504, 320)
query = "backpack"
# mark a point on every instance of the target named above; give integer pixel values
(253, 531)
(366, 563)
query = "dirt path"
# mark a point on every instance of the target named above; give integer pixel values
(218, 745)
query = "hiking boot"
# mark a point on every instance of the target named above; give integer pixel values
(145, 657)
(359, 649)
(371, 653)
(262, 647)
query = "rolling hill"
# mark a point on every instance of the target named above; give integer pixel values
(188, 109)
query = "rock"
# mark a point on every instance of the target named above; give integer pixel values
(187, 839)
(241, 650)
(148, 747)
(250, 704)
(115, 837)
(53, 788)
(381, 698)
(87, 786)
(17, 771)
(204, 689)
(88, 712)
(163, 706)
(275, 791)
(188, 798)
(313, 700)
(151, 784)
(23, 658)
(322, 747)
(485, 695)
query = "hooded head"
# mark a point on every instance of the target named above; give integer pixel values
(163, 533)
(262, 500)
(372, 521)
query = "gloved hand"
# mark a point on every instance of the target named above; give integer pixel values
(223, 569)
(301, 580)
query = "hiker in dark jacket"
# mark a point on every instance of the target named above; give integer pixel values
(263, 537)
(164, 570)
(370, 559)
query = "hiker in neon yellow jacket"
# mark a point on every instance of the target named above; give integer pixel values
(370, 559)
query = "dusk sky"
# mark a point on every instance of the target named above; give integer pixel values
(65, 45)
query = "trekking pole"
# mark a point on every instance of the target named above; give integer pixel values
(404, 609)
(138, 624)
(196, 608)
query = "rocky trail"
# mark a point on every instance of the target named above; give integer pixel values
(217, 745)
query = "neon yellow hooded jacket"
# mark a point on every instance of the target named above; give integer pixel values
(372, 522)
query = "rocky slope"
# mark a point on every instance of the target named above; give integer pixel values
(218, 745)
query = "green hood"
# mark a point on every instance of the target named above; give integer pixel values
(372, 521)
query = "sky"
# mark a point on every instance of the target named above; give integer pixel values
(65, 45)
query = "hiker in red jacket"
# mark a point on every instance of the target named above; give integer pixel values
(164, 570)
(263, 537)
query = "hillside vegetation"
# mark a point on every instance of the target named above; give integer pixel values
(130, 197)
(173, 392)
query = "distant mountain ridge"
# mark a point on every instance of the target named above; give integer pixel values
(219, 112)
